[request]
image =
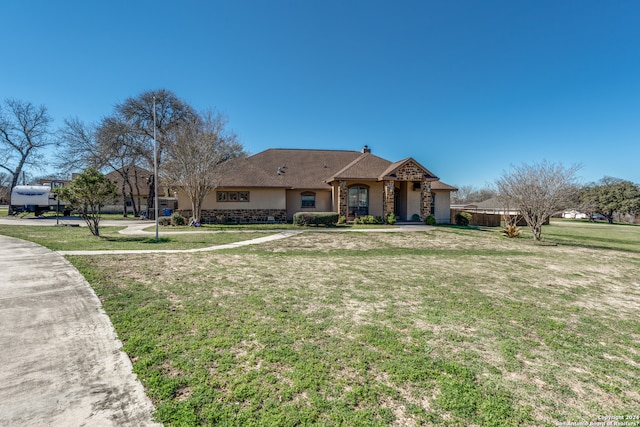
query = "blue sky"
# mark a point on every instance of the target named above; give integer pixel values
(467, 88)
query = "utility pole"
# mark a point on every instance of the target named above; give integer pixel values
(155, 169)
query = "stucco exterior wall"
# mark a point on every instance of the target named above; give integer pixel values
(294, 202)
(442, 207)
(259, 198)
(376, 198)
(413, 202)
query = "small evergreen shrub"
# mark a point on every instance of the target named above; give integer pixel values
(316, 218)
(357, 221)
(463, 218)
(391, 219)
(430, 220)
(342, 219)
(415, 217)
(177, 219)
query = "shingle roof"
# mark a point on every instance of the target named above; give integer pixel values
(287, 168)
(307, 169)
(439, 185)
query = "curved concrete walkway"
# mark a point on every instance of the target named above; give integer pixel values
(60, 359)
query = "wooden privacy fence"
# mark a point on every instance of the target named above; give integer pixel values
(483, 219)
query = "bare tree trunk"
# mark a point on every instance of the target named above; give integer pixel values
(124, 199)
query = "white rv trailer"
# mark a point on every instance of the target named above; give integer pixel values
(32, 198)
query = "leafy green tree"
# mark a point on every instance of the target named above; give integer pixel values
(611, 195)
(88, 193)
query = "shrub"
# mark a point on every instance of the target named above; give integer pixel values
(391, 219)
(164, 220)
(463, 218)
(415, 217)
(370, 219)
(511, 231)
(316, 218)
(430, 220)
(342, 219)
(357, 220)
(177, 219)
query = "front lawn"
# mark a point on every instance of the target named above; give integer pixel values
(80, 238)
(448, 327)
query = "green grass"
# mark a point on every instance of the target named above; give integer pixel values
(79, 238)
(622, 237)
(450, 327)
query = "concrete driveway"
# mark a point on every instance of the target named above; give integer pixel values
(60, 360)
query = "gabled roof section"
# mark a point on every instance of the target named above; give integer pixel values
(399, 168)
(365, 167)
(287, 168)
(315, 169)
(441, 186)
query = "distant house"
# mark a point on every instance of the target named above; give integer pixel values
(574, 214)
(275, 184)
(488, 212)
(132, 185)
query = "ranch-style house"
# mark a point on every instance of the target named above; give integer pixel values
(273, 185)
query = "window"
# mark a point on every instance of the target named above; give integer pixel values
(232, 196)
(358, 200)
(308, 200)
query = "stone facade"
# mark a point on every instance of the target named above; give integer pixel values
(389, 198)
(213, 216)
(343, 198)
(425, 196)
(410, 171)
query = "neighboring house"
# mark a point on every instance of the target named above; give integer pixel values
(135, 190)
(275, 184)
(574, 214)
(490, 206)
(488, 212)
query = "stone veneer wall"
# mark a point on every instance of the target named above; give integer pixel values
(425, 194)
(211, 216)
(389, 198)
(343, 198)
(409, 172)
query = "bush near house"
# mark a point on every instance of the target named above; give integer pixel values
(430, 220)
(463, 218)
(368, 219)
(391, 219)
(315, 218)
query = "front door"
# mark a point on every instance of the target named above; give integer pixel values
(358, 201)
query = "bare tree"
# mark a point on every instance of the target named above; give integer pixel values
(198, 155)
(120, 152)
(171, 113)
(78, 147)
(537, 191)
(24, 132)
(472, 194)
(5, 180)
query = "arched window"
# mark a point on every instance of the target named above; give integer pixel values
(358, 200)
(308, 200)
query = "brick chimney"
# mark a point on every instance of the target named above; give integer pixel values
(366, 149)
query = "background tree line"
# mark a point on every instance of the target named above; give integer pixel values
(190, 145)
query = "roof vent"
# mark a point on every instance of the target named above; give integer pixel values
(366, 149)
